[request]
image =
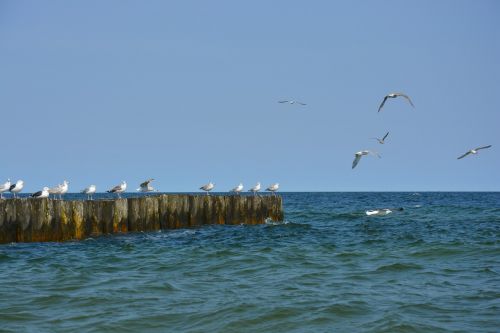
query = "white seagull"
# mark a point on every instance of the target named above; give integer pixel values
(255, 189)
(292, 102)
(473, 151)
(381, 141)
(208, 187)
(146, 186)
(89, 191)
(359, 154)
(60, 189)
(238, 189)
(17, 187)
(119, 188)
(41, 194)
(4, 188)
(394, 95)
(273, 188)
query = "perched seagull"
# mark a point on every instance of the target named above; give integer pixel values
(119, 188)
(208, 187)
(394, 95)
(273, 188)
(60, 189)
(89, 191)
(238, 189)
(473, 151)
(16, 188)
(4, 187)
(255, 189)
(41, 194)
(63, 188)
(359, 154)
(292, 102)
(146, 186)
(381, 141)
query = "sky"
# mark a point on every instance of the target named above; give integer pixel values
(186, 92)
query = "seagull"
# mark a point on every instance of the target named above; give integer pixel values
(255, 189)
(473, 151)
(17, 187)
(41, 194)
(60, 189)
(208, 187)
(238, 189)
(359, 154)
(273, 188)
(394, 95)
(63, 188)
(4, 188)
(89, 191)
(119, 188)
(146, 187)
(381, 141)
(292, 102)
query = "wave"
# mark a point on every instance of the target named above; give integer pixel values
(397, 267)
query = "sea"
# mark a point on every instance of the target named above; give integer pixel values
(432, 265)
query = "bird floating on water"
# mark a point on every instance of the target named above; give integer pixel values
(89, 191)
(208, 187)
(41, 194)
(273, 188)
(119, 189)
(238, 189)
(359, 154)
(255, 189)
(473, 151)
(16, 188)
(381, 141)
(146, 186)
(4, 188)
(291, 102)
(394, 95)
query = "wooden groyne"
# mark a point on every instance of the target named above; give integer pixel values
(41, 220)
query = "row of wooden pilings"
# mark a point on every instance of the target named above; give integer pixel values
(41, 220)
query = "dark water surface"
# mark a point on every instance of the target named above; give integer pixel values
(433, 267)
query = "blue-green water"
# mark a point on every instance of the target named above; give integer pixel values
(433, 267)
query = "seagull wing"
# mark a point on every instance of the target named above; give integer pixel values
(36, 194)
(283, 102)
(301, 103)
(12, 187)
(484, 147)
(385, 136)
(382, 104)
(356, 161)
(407, 97)
(146, 183)
(116, 188)
(467, 153)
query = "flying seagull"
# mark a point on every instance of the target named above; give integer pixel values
(238, 189)
(273, 188)
(394, 95)
(292, 102)
(473, 151)
(381, 141)
(17, 187)
(146, 186)
(359, 154)
(89, 191)
(208, 187)
(41, 194)
(255, 189)
(119, 188)
(4, 188)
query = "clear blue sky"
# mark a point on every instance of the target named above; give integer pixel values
(186, 92)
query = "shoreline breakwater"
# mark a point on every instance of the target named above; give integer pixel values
(48, 220)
